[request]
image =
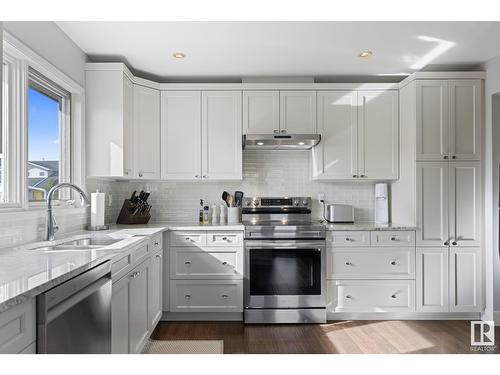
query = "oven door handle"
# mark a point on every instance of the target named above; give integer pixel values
(318, 245)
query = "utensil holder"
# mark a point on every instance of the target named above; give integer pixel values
(126, 217)
(233, 215)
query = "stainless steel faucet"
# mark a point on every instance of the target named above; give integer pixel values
(51, 225)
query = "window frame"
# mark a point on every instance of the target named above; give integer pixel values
(23, 59)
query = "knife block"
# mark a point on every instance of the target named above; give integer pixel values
(126, 217)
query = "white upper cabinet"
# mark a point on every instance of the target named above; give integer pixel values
(181, 135)
(432, 120)
(378, 135)
(146, 132)
(359, 136)
(432, 204)
(201, 135)
(465, 203)
(221, 135)
(448, 118)
(335, 157)
(261, 112)
(465, 119)
(109, 118)
(298, 112)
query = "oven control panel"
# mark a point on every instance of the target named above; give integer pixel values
(274, 202)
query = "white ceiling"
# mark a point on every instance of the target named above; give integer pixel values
(256, 49)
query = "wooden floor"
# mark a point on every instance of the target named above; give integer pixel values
(375, 337)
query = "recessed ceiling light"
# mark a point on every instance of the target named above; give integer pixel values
(365, 54)
(179, 55)
(301, 143)
(260, 143)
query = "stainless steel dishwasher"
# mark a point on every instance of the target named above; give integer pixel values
(75, 317)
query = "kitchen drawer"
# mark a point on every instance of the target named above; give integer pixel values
(224, 238)
(140, 253)
(371, 296)
(206, 295)
(121, 266)
(348, 238)
(211, 263)
(371, 263)
(188, 238)
(393, 238)
(156, 243)
(18, 327)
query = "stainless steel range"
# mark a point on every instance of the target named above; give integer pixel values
(285, 261)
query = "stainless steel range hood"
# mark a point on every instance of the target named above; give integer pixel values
(280, 142)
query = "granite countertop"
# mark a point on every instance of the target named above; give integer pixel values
(367, 226)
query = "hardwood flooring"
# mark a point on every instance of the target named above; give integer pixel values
(341, 337)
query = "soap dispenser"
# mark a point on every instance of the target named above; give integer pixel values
(200, 213)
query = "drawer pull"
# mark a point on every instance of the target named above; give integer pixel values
(348, 296)
(187, 263)
(224, 238)
(394, 239)
(156, 243)
(187, 296)
(393, 263)
(158, 256)
(393, 296)
(349, 263)
(135, 274)
(225, 296)
(224, 263)
(349, 239)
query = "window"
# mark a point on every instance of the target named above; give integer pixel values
(48, 136)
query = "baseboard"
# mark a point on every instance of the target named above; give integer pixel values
(201, 317)
(402, 316)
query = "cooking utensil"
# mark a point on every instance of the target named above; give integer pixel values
(238, 197)
(224, 196)
(230, 200)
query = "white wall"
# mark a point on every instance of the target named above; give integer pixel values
(50, 42)
(491, 165)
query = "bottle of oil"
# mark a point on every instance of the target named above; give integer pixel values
(200, 214)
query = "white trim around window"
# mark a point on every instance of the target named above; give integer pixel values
(22, 59)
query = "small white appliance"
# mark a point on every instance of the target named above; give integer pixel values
(381, 203)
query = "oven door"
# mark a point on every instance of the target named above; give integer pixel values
(285, 274)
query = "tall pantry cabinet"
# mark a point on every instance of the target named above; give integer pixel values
(440, 156)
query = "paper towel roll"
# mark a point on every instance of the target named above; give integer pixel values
(97, 201)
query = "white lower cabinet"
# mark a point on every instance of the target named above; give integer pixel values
(137, 302)
(465, 279)
(18, 328)
(371, 296)
(206, 295)
(155, 284)
(432, 279)
(449, 279)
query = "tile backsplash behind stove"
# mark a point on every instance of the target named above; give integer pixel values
(265, 173)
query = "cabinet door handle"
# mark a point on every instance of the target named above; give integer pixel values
(446, 243)
(158, 256)
(224, 238)
(156, 243)
(454, 243)
(125, 172)
(187, 296)
(394, 239)
(187, 263)
(349, 239)
(283, 131)
(362, 176)
(348, 296)
(445, 157)
(393, 263)
(354, 176)
(140, 174)
(196, 176)
(204, 176)
(225, 296)
(224, 263)
(454, 157)
(348, 263)
(393, 296)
